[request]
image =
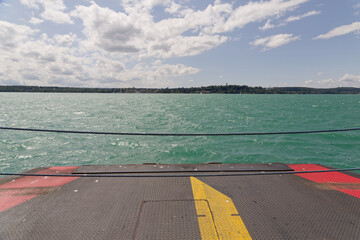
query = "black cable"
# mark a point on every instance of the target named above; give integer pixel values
(175, 175)
(178, 134)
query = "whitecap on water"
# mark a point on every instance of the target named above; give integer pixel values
(23, 156)
(125, 144)
(26, 147)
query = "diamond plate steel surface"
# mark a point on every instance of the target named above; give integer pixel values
(89, 209)
(271, 207)
(167, 220)
(290, 207)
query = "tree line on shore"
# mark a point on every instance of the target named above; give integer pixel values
(220, 89)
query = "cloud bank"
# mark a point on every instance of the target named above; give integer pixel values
(347, 80)
(141, 43)
(123, 48)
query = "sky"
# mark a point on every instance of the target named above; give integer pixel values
(180, 43)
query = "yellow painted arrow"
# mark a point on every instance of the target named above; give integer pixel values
(217, 214)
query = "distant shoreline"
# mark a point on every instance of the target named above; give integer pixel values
(219, 89)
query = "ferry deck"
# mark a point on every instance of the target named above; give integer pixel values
(161, 201)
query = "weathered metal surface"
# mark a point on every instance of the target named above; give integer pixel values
(271, 207)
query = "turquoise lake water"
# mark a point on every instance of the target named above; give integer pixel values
(173, 113)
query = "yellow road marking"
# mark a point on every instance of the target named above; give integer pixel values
(217, 214)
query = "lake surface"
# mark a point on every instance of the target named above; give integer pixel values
(161, 113)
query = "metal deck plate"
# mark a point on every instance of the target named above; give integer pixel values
(271, 207)
(165, 220)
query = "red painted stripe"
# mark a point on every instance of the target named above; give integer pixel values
(33, 182)
(7, 202)
(352, 192)
(13, 192)
(329, 177)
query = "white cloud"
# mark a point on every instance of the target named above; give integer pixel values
(255, 11)
(274, 41)
(35, 20)
(56, 16)
(197, 21)
(267, 25)
(348, 80)
(55, 61)
(54, 10)
(328, 81)
(109, 30)
(143, 74)
(189, 33)
(168, 70)
(122, 48)
(298, 17)
(320, 73)
(184, 46)
(30, 3)
(11, 35)
(342, 30)
(65, 39)
(138, 33)
(173, 8)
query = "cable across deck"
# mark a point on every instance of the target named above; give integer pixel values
(174, 175)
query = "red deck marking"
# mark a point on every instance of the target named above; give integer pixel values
(32, 182)
(329, 177)
(13, 194)
(11, 201)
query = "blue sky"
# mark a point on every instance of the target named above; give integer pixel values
(180, 43)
